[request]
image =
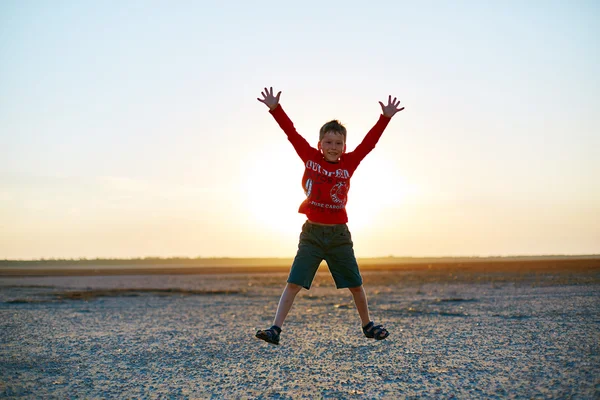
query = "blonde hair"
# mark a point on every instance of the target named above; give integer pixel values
(332, 126)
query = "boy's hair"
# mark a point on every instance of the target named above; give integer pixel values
(333, 125)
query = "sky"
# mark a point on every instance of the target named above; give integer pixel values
(132, 128)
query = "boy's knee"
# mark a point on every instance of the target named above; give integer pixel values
(293, 287)
(356, 289)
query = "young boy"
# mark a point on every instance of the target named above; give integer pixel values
(325, 235)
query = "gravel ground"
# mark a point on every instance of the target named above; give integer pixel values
(502, 339)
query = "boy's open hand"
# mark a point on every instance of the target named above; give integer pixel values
(268, 98)
(392, 107)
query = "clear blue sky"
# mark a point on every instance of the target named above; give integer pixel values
(131, 128)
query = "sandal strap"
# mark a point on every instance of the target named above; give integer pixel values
(375, 331)
(380, 332)
(276, 329)
(269, 332)
(273, 331)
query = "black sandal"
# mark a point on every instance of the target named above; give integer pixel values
(270, 335)
(377, 332)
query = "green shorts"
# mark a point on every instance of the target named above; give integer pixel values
(332, 244)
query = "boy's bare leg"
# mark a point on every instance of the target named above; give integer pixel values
(285, 303)
(360, 299)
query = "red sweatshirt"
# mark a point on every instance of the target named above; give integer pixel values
(326, 184)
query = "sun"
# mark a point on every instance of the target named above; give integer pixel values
(272, 187)
(374, 193)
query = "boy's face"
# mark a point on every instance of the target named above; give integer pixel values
(332, 145)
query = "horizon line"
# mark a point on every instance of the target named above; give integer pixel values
(175, 258)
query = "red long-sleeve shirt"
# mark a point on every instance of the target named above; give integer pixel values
(326, 184)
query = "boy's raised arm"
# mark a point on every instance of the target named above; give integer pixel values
(300, 144)
(372, 137)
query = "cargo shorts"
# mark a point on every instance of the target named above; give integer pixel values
(332, 244)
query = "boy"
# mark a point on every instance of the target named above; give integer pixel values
(325, 235)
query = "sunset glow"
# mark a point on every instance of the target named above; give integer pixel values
(132, 130)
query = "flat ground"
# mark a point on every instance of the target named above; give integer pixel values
(465, 330)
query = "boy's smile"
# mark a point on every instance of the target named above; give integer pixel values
(332, 146)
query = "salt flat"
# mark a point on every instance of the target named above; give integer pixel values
(477, 336)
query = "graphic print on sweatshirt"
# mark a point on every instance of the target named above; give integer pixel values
(324, 188)
(339, 193)
(324, 178)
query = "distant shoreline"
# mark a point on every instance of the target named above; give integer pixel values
(267, 261)
(529, 264)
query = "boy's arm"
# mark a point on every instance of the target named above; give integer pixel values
(300, 144)
(372, 137)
